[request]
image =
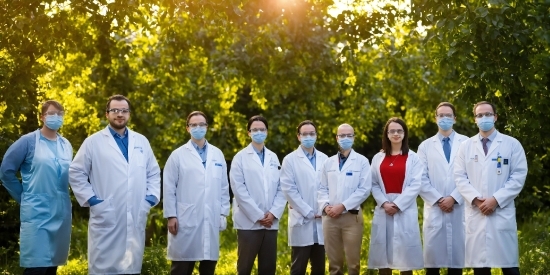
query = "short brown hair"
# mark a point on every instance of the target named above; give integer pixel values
(485, 102)
(117, 98)
(305, 122)
(256, 118)
(386, 143)
(447, 104)
(48, 103)
(195, 113)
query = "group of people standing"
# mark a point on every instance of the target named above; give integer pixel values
(468, 186)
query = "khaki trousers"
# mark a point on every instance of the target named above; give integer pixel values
(343, 237)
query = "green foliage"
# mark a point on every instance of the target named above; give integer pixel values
(499, 52)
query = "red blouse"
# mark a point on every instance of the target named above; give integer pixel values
(392, 171)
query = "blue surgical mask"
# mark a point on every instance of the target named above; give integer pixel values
(308, 141)
(445, 123)
(54, 122)
(259, 137)
(345, 143)
(485, 123)
(198, 132)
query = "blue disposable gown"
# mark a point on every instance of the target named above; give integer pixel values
(44, 198)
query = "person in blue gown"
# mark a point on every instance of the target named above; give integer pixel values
(42, 157)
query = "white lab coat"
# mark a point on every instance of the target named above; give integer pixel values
(491, 241)
(349, 186)
(116, 230)
(443, 232)
(405, 246)
(198, 197)
(256, 189)
(300, 182)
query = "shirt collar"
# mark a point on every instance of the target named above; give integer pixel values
(115, 134)
(491, 137)
(258, 152)
(197, 146)
(441, 137)
(309, 156)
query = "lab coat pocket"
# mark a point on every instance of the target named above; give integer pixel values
(378, 228)
(217, 171)
(223, 223)
(506, 219)
(186, 215)
(102, 214)
(296, 219)
(473, 219)
(35, 207)
(352, 180)
(434, 218)
(144, 209)
(140, 158)
(407, 221)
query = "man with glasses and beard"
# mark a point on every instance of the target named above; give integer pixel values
(115, 173)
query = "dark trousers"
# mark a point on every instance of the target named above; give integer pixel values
(186, 267)
(387, 271)
(302, 254)
(261, 243)
(450, 271)
(50, 270)
(505, 271)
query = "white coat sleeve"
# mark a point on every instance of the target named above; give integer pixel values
(413, 184)
(377, 193)
(245, 203)
(461, 175)
(456, 195)
(170, 177)
(363, 188)
(290, 190)
(225, 204)
(429, 194)
(279, 203)
(79, 172)
(516, 180)
(153, 174)
(322, 193)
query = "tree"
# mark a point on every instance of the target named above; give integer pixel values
(499, 51)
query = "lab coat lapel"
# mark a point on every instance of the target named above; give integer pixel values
(495, 144)
(454, 147)
(351, 158)
(303, 157)
(252, 153)
(189, 146)
(438, 146)
(267, 160)
(131, 144)
(479, 147)
(209, 157)
(111, 141)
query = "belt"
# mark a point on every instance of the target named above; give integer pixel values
(354, 211)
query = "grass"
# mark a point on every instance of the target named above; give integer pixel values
(534, 244)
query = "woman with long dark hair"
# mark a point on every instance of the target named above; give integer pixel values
(396, 181)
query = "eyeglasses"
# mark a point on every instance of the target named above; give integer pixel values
(444, 115)
(488, 114)
(54, 113)
(311, 134)
(119, 111)
(195, 125)
(345, 135)
(394, 131)
(255, 130)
